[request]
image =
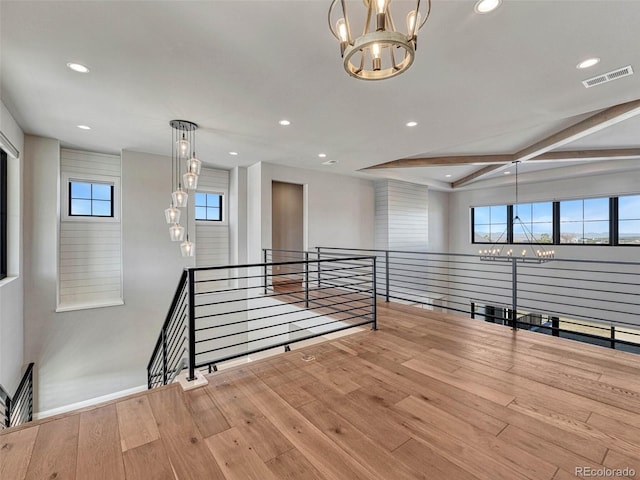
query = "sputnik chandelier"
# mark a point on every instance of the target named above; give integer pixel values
(500, 252)
(382, 51)
(183, 155)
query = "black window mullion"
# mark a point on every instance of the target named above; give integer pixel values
(510, 224)
(556, 223)
(613, 221)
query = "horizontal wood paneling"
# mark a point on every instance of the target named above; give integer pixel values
(90, 252)
(212, 238)
(401, 220)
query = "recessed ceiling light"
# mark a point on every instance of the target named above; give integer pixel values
(448, 175)
(486, 6)
(322, 155)
(330, 162)
(84, 127)
(589, 62)
(507, 173)
(233, 153)
(411, 124)
(284, 123)
(78, 67)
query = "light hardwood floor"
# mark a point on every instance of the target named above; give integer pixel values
(427, 396)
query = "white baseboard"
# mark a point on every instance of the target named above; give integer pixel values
(88, 403)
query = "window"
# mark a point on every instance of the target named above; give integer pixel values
(3, 214)
(90, 199)
(208, 206)
(629, 220)
(490, 224)
(585, 221)
(536, 222)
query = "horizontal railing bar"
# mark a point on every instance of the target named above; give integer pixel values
(284, 333)
(578, 297)
(276, 345)
(274, 264)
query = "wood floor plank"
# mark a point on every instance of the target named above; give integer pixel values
(236, 457)
(148, 461)
(379, 462)
(55, 451)
(205, 413)
(423, 416)
(323, 454)
(266, 440)
(292, 465)
(615, 459)
(99, 452)
(136, 423)
(15, 452)
(185, 447)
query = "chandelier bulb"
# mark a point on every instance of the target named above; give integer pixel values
(172, 214)
(380, 6)
(190, 180)
(187, 248)
(184, 147)
(413, 23)
(341, 28)
(195, 165)
(176, 232)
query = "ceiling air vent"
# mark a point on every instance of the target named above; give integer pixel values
(608, 77)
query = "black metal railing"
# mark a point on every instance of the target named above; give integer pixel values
(588, 300)
(226, 312)
(18, 409)
(168, 357)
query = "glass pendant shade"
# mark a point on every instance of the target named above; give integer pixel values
(180, 197)
(190, 180)
(187, 248)
(194, 165)
(172, 214)
(184, 147)
(176, 232)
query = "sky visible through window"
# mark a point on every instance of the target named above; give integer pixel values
(90, 199)
(584, 221)
(629, 220)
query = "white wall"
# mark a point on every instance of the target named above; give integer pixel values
(85, 354)
(438, 221)
(339, 210)
(11, 309)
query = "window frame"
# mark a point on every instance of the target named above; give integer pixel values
(507, 238)
(66, 181)
(610, 242)
(90, 199)
(4, 184)
(615, 213)
(222, 208)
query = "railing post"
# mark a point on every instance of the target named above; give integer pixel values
(473, 309)
(318, 250)
(31, 395)
(164, 356)
(306, 279)
(374, 295)
(555, 326)
(514, 293)
(7, 413)
(386, 268)
(192, 325)
(613, 337)
(264, 256)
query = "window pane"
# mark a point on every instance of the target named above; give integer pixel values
(571, 232)
(629, 232)
(596, 232)
(523, 211)
(101, 208)
(201, 213)
(543, 232)
(101, 191)
(80, 190)
(215, 201)
(80, 207)
(629, 208)
(201, 200)
(499, 214)
(542, 212)
(499, 233)
(213, 214)
(482, 234)
(482, 215)
(571, 211)
(596, 209)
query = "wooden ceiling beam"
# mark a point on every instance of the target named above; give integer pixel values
(588, 126)
(443, 161)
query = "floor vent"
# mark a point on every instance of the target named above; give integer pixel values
(608, 77)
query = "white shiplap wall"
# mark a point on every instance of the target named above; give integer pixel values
(90, 251)
(212, 238)
(401, 216)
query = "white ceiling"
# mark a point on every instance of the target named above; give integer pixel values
(480, 84)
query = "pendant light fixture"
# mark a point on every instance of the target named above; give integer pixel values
(182, 156)
(382, 51)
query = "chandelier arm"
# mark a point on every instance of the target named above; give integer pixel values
(366, 24)
(393, 58)
(426, 17)
(346, 21)
(333, 4)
